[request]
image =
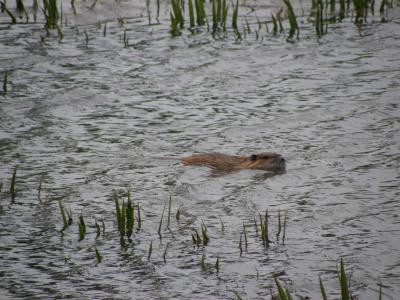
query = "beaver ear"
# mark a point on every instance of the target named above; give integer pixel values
(253, 157)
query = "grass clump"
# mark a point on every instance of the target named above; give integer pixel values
(176, 16)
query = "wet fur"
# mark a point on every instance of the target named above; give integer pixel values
(262, 161)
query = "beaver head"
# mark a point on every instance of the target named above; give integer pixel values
(264, 161)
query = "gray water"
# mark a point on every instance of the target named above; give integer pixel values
(90, 119)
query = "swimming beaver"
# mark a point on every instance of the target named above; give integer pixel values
(262, 161)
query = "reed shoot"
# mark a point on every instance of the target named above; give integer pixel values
(284, 229)
(161, 220)
(217, 265)
(86, 37)
(82, 227)
(99, 258)
(343, 282)
(150, 251)
(13, 190)
(63, 215)
(206, 239)
(169, 212)
(130, 216)
(200, 12)
(203, 263)
(294, 27)
(165, 253)
(191, 14)
(120, 212)
(279, 225)
(139, 218)
(245, 236)
(283, 294)
(240, 245)
(323, 292)
(5, 82)
(98, 231)
(51, 13)
(235, 14)
(4, 8)
(222, 225)
(176, 16)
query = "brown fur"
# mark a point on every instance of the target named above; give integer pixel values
(262, 161)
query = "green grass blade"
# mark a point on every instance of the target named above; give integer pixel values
(323, 292)
(343, 282)
(281, 291)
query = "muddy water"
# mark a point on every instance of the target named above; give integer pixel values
(87, 119)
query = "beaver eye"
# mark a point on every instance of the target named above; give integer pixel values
(253, 157)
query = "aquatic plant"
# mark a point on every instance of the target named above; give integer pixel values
(51, 13)
(343, 282)
(176, 16)
(200, 12)
(206, 239)
(63, 215)
(279, 225)
(264, 229)
(13, 190)
(120, 212)
(161, 221)
(319, 18)
(235, 15)
(217, 265)
(5, 82)
(191, 14)
(282, 293)
(86, 37)
(178, 214)
(222, 225)
(169, 212)
(240, 245)
(99, 258)
(245, 236)
(4, 8)
(284, 229)
(165, 253)
(294, 27)
(148, 10)
(130, 216)
(322, 288)
(150, 251)
(139, 218)
(98, 231)
(82, 227)
(203, 263)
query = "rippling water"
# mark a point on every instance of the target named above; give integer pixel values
(90, 119)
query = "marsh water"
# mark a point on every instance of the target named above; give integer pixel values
(85, 117)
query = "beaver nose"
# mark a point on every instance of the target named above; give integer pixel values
(283, 160)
